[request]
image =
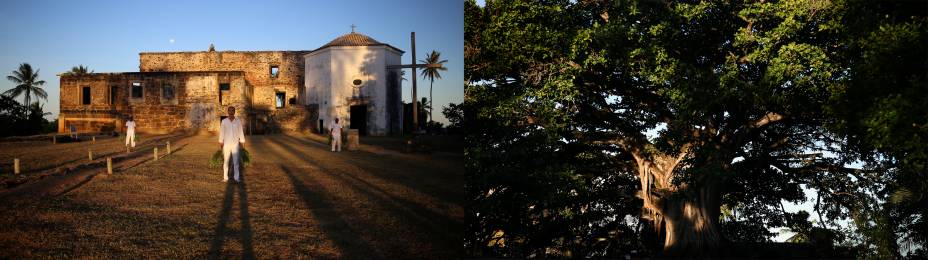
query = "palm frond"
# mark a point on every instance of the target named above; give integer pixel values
(40, 93)
(14, 79)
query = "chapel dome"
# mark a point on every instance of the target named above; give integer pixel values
(356, 39)
(353, 39)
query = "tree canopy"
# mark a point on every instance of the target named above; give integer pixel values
(600, 128)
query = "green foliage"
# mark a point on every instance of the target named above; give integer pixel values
(215, 161)
(881, 116)
(79, 70)
(19, 120)
(455, 115)
(27, 84)
(432, 73)
(560, 94)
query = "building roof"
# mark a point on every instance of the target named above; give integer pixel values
(356, 39)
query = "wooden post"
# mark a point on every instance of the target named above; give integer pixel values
(93, 139)
(16, 166)
(109, 165)
(156, 153)
(353, 142)
(89, 154)
(169, 148)
(54, 139)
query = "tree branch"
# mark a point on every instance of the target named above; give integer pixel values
(770, 117)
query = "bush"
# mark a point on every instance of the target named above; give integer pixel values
(216, 160)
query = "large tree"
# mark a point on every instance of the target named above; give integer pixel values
(706, 106)
(27, 84)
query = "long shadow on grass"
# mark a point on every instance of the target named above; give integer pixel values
(348, 241)
(428, 224)
(246, 233)
(432, 184)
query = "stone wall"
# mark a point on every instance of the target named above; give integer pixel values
(256, 68)
(195, 104)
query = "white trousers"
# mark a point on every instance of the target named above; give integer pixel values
(230, 150)
(130, 138)
(336, 143)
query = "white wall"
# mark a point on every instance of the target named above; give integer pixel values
(329, 76)
(318, 81)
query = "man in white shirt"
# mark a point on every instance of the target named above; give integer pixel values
(336, 131)
(130, 132)
(231, 135)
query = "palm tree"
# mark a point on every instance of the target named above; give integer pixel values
(79, 70)
(28, 83)
(432, 73)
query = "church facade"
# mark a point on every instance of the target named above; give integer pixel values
(273, 91)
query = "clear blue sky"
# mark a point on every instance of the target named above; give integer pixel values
(107, 36)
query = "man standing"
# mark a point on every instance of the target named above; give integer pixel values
(231, 135)
(336, 131)
(130, 132)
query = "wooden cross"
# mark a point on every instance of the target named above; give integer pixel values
(414, 66)
(352, 28)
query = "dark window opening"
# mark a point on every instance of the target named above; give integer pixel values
(137, 90)
(85, 96)
(275, 71)
(113, 95)
(291, 101)
(167, 91)
(223, 87)
(281, 96)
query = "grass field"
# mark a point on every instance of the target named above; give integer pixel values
(297, 200)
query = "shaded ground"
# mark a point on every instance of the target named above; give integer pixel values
(298, 200)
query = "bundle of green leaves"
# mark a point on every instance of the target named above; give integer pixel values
(216, 160)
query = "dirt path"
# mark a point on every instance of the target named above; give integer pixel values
(297, 200)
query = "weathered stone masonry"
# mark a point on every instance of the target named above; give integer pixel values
(191, 91)
(194, 105)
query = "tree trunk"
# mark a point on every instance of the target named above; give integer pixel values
(687, 215)
(691, 223)
(431, 101)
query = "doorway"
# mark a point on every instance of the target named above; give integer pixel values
(358, 118)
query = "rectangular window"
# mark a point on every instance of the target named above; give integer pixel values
(224, 86)
(137, 90)
(167, 91)
(85, 96)
(113, 94)
(281, 96)
(275, 71)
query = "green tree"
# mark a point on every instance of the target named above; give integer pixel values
(27, 84)
(455, 115)
(880, 115)
(690, 107)
(432, 73)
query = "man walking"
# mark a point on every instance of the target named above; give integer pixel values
(336, 131)
(130, 132)
(230, 136)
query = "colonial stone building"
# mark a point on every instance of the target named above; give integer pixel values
(273, 91)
